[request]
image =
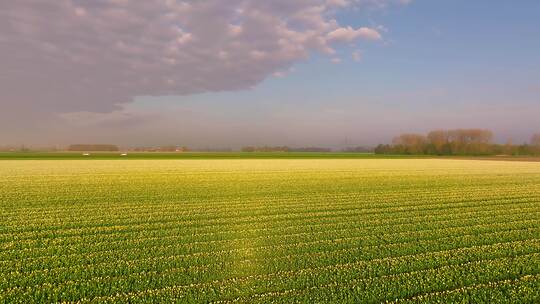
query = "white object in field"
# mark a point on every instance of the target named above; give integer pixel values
(123, 154)
(86, 154)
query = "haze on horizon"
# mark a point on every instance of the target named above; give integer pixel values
(215, 73)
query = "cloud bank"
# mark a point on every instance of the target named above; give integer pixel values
(62, 56)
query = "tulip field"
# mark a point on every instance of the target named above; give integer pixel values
(269, 230)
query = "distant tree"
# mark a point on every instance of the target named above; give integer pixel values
(24, 149)
(167, 149)
(384, 149)
(509, 148)
(266, 149)
(310, 149)
(447, 142)
(411, 143)
(535, 144)
(535, 140)
(526, 149)
(470, 141)
(222, 149)
(359, 149)
(439, 142)
(93, 147)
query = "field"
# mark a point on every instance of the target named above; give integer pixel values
(193, 155)
(269, 230)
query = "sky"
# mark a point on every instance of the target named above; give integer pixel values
(219, 74)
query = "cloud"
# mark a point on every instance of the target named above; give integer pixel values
(337, 3)
(348, 34)
(381, 4)
(93, 56)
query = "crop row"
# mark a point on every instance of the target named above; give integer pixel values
(525, 289)
(371, 213)
(352, 284)
(272, 231)
(131, 247)
(269, 265)
(134, 206)
(183, 235)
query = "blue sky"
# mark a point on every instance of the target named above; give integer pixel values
(442, 64)
(439, 64)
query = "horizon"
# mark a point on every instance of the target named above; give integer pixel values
(306, 73)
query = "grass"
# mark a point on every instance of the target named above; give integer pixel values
(235, 155)
(269, 230)
(191, 155)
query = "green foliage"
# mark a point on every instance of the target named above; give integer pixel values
(278, 230)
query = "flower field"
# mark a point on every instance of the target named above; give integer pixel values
(269, 230)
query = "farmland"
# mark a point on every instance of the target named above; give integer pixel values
(269, 230)
(191, 155)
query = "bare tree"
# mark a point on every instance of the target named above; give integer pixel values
(470, 141)
(439, 141)
(535, 140)
(411, 143)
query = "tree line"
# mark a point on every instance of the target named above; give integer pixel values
(456, 142)
(93, 147)
(283, 149)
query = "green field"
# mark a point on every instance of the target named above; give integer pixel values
(194, 155)
(269, 230)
